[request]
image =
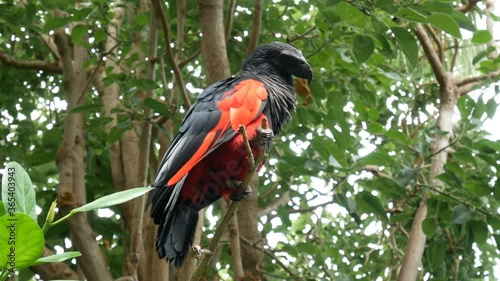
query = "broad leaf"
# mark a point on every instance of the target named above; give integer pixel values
(363, 48)
(21, 241)
(57, 258)
(446, 24)
(408, 44)
(113, 199)
(481, 37)
(18, 193)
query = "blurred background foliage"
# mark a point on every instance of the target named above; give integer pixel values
(339, 193)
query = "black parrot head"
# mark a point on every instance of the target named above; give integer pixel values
(278, 57)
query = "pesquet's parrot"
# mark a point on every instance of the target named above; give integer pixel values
(207, 158)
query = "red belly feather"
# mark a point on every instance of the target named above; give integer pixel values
(206, 181)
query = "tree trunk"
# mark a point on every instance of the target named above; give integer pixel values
(70, 161)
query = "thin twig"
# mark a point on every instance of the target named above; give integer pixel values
(205, 261)
(170, 56)
(189, 59)
(293, 38)
(455, 55)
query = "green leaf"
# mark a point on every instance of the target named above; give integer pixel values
(375, 158)
(481, 37)
(2, 210)
(113, 199)
(446, 24)
(389, 188)
(461, 215)
(480, 232)
(407, 43)
(465, 105)
(430, 227)
(147, 84)
(463, 21)
(362, 48)
(370, 204)
(141, 19)
(411, 15)
(436, 252)
(491, 108)
(93, 107)
(482, 54)
(397, 136)
(406, 176)
(57, 258)
(79, 34)
(18, 193)
(21, 241)
(157, 106)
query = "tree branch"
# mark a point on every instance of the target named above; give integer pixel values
(205, 261)
(293, 38)
(435, 62)
(469, 6)
(466, 85)
(436, 39)
(51, 67)
(281, 201)
(189, 59)
(229, 18)
(170, 56)
(257, 23)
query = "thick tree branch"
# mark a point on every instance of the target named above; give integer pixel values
(47, 66)
(435, 62)
(179, 42)
(229, 18)
(213, 43)
(257, 23)
(437, 40)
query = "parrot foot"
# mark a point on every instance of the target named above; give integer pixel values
(264, 136)
(239, 193)
(199, 251)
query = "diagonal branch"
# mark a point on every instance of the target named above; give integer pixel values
(205, 261)
(437, 66)
(170, 56)
(47, 66)
(293, 38)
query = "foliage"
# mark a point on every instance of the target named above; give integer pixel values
(355, 162)
(22, 244)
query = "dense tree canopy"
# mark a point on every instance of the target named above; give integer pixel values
(385, 172)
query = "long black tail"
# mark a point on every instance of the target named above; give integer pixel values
(176, 235)
(177, 223)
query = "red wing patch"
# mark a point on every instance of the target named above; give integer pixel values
(239, 106)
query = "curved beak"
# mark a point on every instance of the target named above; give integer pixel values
(304, 71)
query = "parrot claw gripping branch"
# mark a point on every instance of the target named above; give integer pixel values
(223, 140)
